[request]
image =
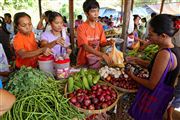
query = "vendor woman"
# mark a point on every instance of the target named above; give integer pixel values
(90, 34)
(56, 38)
(24, 42)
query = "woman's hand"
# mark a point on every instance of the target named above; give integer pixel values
(130, 59)
(130, 74)
(60, 41)
(47, 51)
(107, 59)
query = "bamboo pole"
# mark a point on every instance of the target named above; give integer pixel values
(132, 4)
(71, 20)
(162, 5)
(122, 3)
(40, 8)
(127, 9)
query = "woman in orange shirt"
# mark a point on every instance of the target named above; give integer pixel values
(24, 43)
(90, 34)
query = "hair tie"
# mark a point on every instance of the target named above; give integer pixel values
(177, 24)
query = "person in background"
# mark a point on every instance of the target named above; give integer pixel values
(44, 17)
(142, 28)
(65, 21)
(4, 65)
(6, 99)
(110, 25)
(56, 38)
(111, 18)
(111, 22)
(136, 20)
(25, 45)
(79, 21)
(176, 101)
(152, 16)
(9, 24)
(99, 19)
(136, 25)
(4, 39)
(90, 35)
(133, 38)
(66, 25)
(156, 92)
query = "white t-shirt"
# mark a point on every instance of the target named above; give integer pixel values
(3, 61)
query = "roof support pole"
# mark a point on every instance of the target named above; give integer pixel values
(40, 8)
(127, 9)
(162, 5)
(71, 20)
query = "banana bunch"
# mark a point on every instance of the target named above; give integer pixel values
(83, 80)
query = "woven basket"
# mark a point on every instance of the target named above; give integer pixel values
(90, 112)
(121, 89)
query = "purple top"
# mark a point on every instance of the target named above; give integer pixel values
(136, 34)
(57, 49)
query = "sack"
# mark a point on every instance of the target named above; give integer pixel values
(117, 56)
(151, 104)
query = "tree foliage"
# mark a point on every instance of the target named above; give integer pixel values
(19, 4)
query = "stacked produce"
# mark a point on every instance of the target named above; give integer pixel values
(114, 31)
(84, 79)
(38, 97)
(85, 93)
(147, 54)
(98, 97)
(124, 105)
(110, 32)
(137, 70)
(26, 79)
(118, 78)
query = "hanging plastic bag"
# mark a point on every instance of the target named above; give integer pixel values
(136, 45)
(117, 56)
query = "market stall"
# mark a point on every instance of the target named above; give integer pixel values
(57, 90)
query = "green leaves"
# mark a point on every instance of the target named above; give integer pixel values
(26, 79)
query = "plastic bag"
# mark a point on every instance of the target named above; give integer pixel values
(136, 45)
(117, 56)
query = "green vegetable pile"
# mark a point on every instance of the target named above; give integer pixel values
(26, 79)
(147, 54)
(83, 79)
(41, 102)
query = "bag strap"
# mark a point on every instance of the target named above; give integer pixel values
(171, 60)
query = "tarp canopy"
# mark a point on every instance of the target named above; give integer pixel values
(105, 11)
(142, 11)
(169, 8)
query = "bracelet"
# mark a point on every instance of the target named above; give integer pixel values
(1, 85)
